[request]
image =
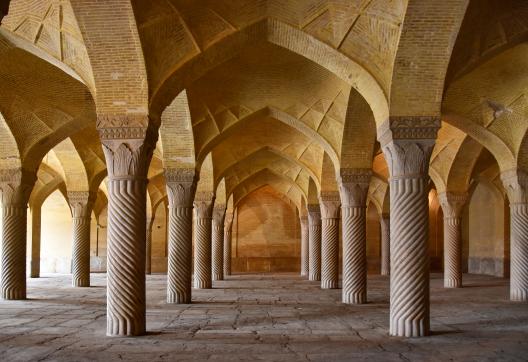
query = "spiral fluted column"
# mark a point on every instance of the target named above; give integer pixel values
(181, 188)
(305, 260)
(452, 204)
(228, 225)
(15, 188)
(407, 145)
(203, 205)
(128, 152)
(330, 205)
(314, 242)
(516, 185)
(385, 244)
(148, 246)
(36, 232)
(353, 187)
(217, 237)
(81, 204)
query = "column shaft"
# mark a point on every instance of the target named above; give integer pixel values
(329, 240)
(148, 247)
(128, 151)
(407, 145)
(227, 244)
(314, 236)
(36, 231)
(81, 205)
(202, 247)
(385, 244)
(305, 259)
(217, 238)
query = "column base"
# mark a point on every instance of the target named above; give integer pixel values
(519, 295)
(81, 283)
(14, 295)
(314, 277)
(178, 299)
(354, 298)
(409, 328)
(452, 283)
(217, 277)
(124, 328)
(329, 284)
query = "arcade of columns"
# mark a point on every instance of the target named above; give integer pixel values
(206, 116)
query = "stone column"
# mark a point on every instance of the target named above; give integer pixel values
(228, 225)
(353, 187)
(148, 246)
(314, 242)
(81, 204)
(330, 203)
(203, 205)
(305, 260)
(385, 244)
(15, 188)
(181, 187)
(407, 145)
(217, 238)
(128, 152)
(452, 204)
(36, 231)
(516, 185)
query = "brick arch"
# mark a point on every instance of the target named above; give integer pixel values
(75, 175)
(220, 193)
(328, 175)
(282, 35)
(8, 147)
(297, 205)
(426, 43)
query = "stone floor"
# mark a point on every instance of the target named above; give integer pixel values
(278, 317)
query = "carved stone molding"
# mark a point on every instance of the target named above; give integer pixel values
(16, 186)
(122, 125)
(408, 158)
(452, 203)
(314, 214)
(81, 203)
(330, 203)
(409, 127)
(515, 183)
(203, 204)
(353, 186)
(219, 214)
(181, 186)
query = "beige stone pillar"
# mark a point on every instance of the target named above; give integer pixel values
(228, 226)
(330, 204)
(305, 259)
(314, 242)
(81, 204)
(148, 246)
(217, 237)
(385, 244)
(452, 204)
(353, 187)
(15, 188)
(407, 145)
(516, 185)
(203, 206)
(36, 232)
(128, 152)
(181, 188)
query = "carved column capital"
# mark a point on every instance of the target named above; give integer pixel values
(228, 220)
(407, 144)
(128, 143)
(330, 204)
(314, 214)
(203, 204)
(515, 183)
(304, 220)
(452, 203)
(353, 186)
(81, 203)
(219, 214)
(16, 186)
(181, 186)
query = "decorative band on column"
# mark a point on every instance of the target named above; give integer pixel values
(353, 185)
(305, 260)
(314, 244)
(516, 185)
(217, 238)
(202, 249)
(330, 204)
(15, 189)
(407, 145)
(181, 188)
